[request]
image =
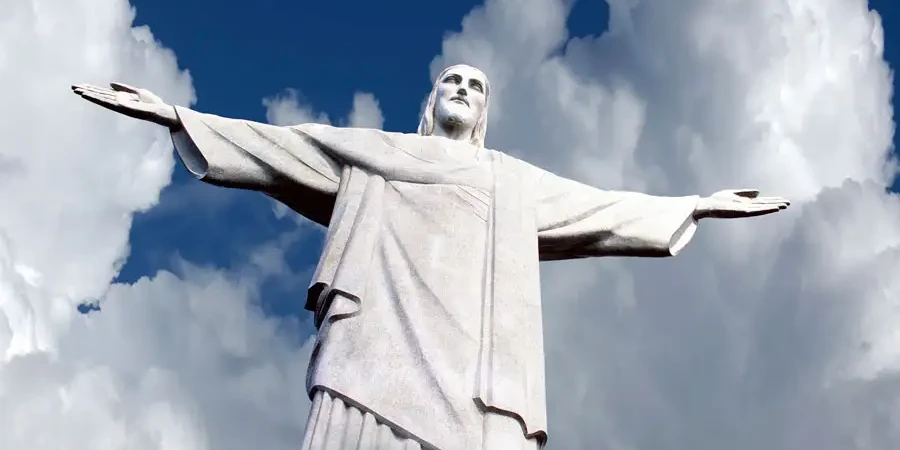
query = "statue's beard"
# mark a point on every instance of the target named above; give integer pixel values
(453, 123)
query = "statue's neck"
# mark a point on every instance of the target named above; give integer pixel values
(457, 133)
(461, 135)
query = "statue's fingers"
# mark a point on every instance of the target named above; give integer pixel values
(95, 90)
(81, 86)
(123, 87)
(749, 207)
(90, 86)
(773, 198)
(761, 211)
(774, 207)
(100, 95)
(99, 99)
(770, 200)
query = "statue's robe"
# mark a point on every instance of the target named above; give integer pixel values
(427, 293)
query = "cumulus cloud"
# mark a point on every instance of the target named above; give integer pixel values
(366, 112)
(775, 332)
(176, 360)
(180, 360)
(289, 108)
(73, 175)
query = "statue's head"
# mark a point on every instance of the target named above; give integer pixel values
(458, 101)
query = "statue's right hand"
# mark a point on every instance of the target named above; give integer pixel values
(130, 101)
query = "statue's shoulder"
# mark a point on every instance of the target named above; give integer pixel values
(403, 138)
(314, 127)
(513, 161)
(367, 142)
(334, 134)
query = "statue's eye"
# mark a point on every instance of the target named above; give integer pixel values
(453, 79)
(476, 85)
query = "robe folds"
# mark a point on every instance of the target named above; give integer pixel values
(427, 294)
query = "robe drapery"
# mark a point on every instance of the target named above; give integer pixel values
(427, 293)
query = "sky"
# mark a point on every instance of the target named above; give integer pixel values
(776, 332)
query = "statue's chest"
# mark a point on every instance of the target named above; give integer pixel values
(430, 160)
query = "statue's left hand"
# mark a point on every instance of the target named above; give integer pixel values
(130, 101)
(737, 203)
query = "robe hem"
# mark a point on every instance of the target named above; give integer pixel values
(400, 431)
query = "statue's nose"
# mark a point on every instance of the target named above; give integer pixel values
(461, 91)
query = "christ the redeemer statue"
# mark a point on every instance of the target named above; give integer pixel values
(427, 296)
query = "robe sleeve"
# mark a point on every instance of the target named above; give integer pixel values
(283, 162)
(575, 220)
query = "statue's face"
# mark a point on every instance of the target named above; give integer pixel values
(460, 97)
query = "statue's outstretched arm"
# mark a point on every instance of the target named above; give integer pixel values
(575, 220)
(280, 161)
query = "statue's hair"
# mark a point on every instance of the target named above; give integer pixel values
(427, 124)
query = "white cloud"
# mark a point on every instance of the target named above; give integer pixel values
(171, 362)
(288, 109)
(366, 112)
(75, 173)
(777, 332)
(182, 361)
